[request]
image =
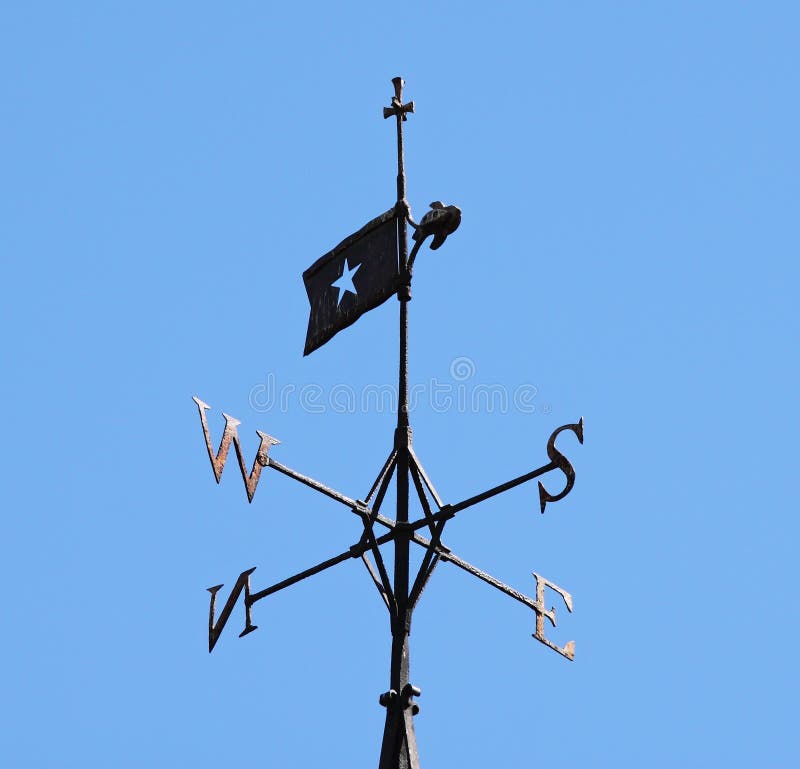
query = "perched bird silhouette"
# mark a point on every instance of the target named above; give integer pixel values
(440, 222)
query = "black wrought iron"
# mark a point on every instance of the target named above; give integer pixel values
(400, 593)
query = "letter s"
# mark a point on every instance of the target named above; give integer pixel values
(562, 463)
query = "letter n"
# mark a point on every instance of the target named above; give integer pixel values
(214, 630)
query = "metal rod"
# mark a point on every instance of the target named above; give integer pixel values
(428, 563)
(446, 555)
(381, 475)
(490, 580)
(453, 509)
(419, 587)
(423, 500)
(386, 584)
(384, 486)
(308, 573)
(304, 479)
(378, 584)
(369, 535)
(424, 475)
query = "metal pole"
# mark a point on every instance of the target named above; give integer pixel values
(399, 743)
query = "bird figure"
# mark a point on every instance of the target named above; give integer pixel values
(440, 222)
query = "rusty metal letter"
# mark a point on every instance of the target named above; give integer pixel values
(562, 463)
(230, 435)
(539, 607)
(215, 630)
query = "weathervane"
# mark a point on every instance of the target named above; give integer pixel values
(363, 271)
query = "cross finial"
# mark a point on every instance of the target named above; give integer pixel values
(398, 108)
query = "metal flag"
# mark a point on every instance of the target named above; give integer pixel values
(354, 277)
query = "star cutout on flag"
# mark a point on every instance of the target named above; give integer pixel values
(345, 282)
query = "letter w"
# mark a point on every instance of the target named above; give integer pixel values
(232, 436)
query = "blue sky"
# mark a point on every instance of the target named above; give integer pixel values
(628, 176)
